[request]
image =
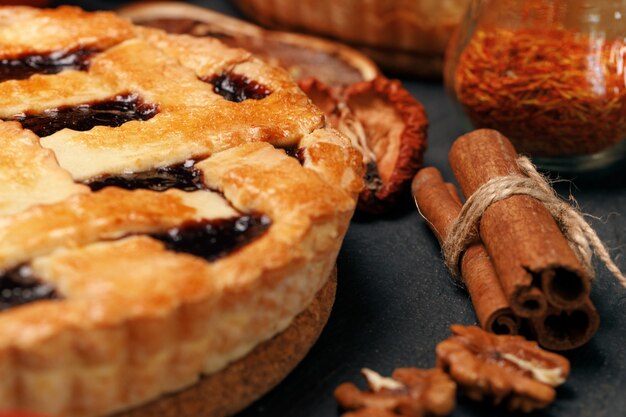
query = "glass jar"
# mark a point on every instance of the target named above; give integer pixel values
(549, 74)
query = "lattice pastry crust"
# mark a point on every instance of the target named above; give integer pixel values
(134, 319)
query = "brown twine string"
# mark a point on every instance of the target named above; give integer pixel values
(580, 235)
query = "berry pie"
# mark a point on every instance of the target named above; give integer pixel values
(168, 205)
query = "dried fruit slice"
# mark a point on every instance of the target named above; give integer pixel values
(386, 124)
(303, 56)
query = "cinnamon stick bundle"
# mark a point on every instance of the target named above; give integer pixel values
(531, 257)
(440, 204)
(525, 269)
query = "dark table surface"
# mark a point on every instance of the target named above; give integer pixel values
(395, 300)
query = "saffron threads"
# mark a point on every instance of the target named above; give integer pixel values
(553, 92)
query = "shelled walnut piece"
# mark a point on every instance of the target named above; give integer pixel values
(410, 392)
(508, 369)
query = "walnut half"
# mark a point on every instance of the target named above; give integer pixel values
(410, 392)
(509, 369)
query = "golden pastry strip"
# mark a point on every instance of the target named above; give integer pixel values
(30, 174)
(26, 30)
(107, 215)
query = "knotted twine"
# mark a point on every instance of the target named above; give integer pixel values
(580, 235)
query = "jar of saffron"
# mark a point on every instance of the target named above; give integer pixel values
(548, 74)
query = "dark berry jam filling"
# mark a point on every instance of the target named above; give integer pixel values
(213, 239)
(23, 67)
(113, 112)
(295, 152)
(183, 177)
(237, 88)
(18, 286)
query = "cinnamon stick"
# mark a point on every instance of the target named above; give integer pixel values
(566, 329)
(440, 204)
(530, 255)
(454, 193)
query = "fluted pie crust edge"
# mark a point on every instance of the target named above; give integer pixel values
(246, 380)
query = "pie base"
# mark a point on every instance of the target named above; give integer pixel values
(244, 381)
